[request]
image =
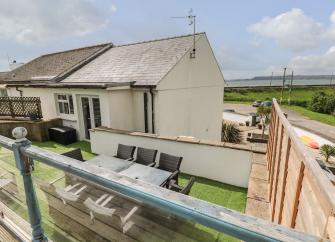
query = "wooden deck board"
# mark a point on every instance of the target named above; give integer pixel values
(6, 236)
(13, 221)
(148, 224)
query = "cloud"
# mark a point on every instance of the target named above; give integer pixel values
(321, 64)
(292, 30)
(236, 64)
(331, 31)
(315, 64)
(113, 8)
(29, 21)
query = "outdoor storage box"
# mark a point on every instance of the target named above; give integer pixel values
(63, 135)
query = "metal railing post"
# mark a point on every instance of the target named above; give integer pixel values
(25, 165)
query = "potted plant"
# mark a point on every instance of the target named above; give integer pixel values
(327, 151)
(264, 112)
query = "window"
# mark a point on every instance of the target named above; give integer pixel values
(65, 103)
(96, 112)
(3, 92)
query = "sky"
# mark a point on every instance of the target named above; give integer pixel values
(249, 37)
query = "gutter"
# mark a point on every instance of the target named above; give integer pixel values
(108, 86)
(20, 91)
(152, 111)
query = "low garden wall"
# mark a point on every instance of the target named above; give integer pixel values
(37, 130)
(227, 163)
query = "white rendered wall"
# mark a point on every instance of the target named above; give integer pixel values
(49, 107)
(190, 97)
(121, 109)
(226, 165)
(191, 112)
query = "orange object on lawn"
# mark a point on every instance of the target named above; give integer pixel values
(310, 142)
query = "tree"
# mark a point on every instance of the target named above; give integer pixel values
(327, 151)
(264, 112)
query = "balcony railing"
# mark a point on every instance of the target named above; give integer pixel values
(176, 211)
(301, 194)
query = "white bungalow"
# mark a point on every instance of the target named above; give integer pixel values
(159, 86)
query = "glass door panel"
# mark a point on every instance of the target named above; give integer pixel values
(85, 103)
(91, 114)
(96, 112)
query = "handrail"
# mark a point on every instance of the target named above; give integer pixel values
(239, 225)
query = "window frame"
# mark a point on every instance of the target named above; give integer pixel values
(67, 104)
(3, 92)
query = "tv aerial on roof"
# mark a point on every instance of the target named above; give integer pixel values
(191, 18)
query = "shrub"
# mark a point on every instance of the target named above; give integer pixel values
(242, 91)
(240, 99)
(300, 103)
(323, 103)
(231, 133)
(330, 105)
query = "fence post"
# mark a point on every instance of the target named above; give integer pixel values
(25, 165)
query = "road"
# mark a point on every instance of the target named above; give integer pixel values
(322, 133)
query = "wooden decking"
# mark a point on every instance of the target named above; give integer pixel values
(13, 228)
(258, 191)
(6, 236)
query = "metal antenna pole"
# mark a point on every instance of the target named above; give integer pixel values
(191, 18)
(290, 90)
(282, 88)
(193, 54)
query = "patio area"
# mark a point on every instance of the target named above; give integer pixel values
(212, 191)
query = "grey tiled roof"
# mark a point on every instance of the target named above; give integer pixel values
(51, 65)
(3, 76)
(144, 63)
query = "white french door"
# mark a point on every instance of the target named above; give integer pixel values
(90, 107)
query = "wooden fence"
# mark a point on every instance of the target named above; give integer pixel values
(300, 193)
(21, 107)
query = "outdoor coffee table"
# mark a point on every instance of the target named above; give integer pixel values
(110, 162)
(145, 173)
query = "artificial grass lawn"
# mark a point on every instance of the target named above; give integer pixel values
(219, 193)
(212, 191)
(216, 192)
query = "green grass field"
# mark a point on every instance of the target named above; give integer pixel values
(212, 191)
(299, 96)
